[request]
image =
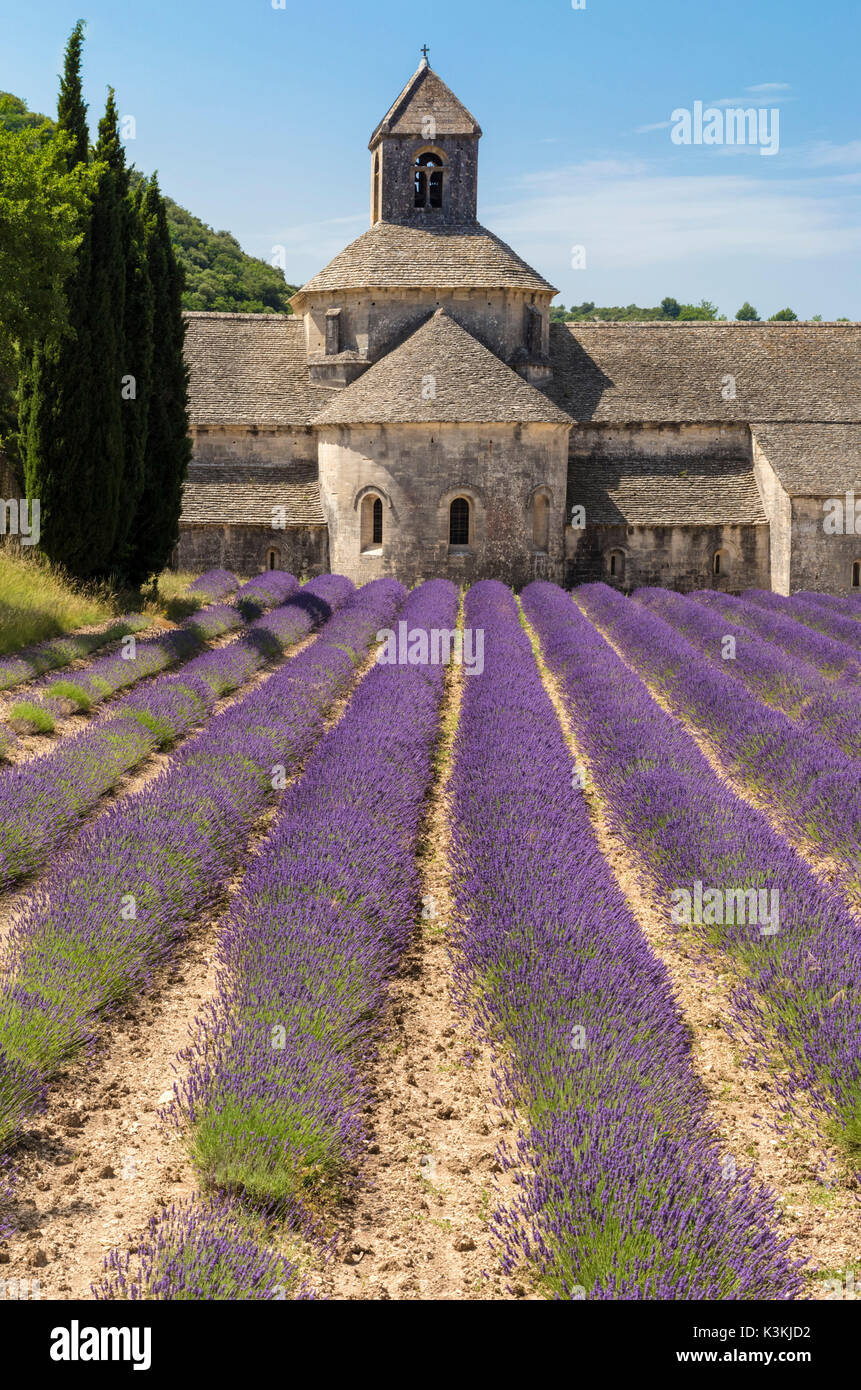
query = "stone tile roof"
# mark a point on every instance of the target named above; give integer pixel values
(470, 384)
(669, 491)
(249, 369)
(813, 460)
(392, 256)
(675, 371)
(246, 496)
(426, 95)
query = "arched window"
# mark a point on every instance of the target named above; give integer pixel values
(428, 176)
(377, 187)
(856, 575)
(720, 564)
(273, 559)
(458, 522)
(371, 522)
(616, 564)
(541, 521)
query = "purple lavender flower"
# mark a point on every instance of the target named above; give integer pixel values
(620, 1176)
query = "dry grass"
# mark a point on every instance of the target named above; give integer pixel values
(37, 601)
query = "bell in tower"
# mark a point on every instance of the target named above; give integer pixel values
(424, 157)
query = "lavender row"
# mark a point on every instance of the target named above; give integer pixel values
(42, 801)
(140, 660)
(214, 585)
(773, 675)
(813, 785)
(843, 630)
(203, 1249)
(833, 658)
(848, 606)
(61, 651)
(118, 902)
(264, 591)
(825, 707)
(729, 876)
(278, 1081)
(623, 1192)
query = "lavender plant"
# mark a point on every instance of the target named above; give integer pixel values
(122, 898)
(214, 585)
(41, 801)
(798, 996)
(813, 786)
(276, 1092)
(61, 651)
(801, 690)
(202, 1250)
(622, 1188)
(833, 658)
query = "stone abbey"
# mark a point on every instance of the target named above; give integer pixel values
(419, 415)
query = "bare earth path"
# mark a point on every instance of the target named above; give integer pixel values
(818, 1193)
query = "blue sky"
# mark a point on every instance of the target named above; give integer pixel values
(258, 119)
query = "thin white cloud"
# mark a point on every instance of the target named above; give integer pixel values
(655, 125)
(745, 101)
(652, 218)
(824, 153)
(770, 87)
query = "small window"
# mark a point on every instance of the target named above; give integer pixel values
(376, 188)
(856, 575)
(273, 559)
(720, 564)
(458, 522)
(616, 564)
(541, 521)
(428, 181)
(371, 522)
(333, 332)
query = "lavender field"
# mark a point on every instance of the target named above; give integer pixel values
(374, 944)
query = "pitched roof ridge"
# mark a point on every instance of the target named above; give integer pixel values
(375, 260)
(475, 374)
(401, 104)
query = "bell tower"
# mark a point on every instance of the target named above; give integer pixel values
(424, 157)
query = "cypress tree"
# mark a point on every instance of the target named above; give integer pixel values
(71, 419)
(71, 107)
(137, 353)
(52, 394)
(155, 530)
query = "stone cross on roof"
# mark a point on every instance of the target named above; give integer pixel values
(426, 51)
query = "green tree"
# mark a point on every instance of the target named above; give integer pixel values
(747, 313)
(155, 529)
(136, 370)
(670, 308)
(71, 107)
(70, 403)
(42, 206)
(783, 316)
(704, 310)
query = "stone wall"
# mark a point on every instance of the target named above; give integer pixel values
(820, 561)
(778, 509)
(619, 442)
(250, 445)
(375, 321)
(397, 180)
(303, 550)
(417, 471)
(671, 557)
